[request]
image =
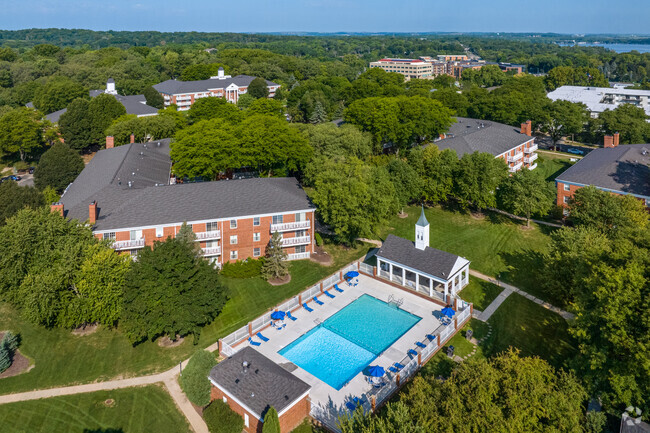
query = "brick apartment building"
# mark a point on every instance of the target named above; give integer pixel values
(427, 67)
(515, 146)
(127, 195)
(623, 170)
(250, 383)
(185, 93)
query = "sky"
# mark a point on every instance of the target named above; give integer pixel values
(560, 16)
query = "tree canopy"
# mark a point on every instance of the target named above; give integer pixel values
(526, 193)
(14, 197)
(477, 177)
(58, 167)
(20, 132)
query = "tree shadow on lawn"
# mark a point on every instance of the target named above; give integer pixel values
(524, 270)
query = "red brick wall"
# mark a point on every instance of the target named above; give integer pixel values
(561, 193)
(288, 421)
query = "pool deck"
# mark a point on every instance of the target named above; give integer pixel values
(321, 393)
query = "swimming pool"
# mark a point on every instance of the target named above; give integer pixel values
(339, 348)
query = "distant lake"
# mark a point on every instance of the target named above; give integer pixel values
(619, 48)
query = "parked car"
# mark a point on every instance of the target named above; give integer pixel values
(31, 170)
(576, 151)
(14, 177)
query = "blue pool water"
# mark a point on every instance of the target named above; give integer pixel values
(342, 346)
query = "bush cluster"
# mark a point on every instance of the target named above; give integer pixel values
(248, 268)
(194, 379)
(221, 419)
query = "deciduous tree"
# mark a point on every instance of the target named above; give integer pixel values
(258, 88)
(477, 177)
(14, 198)
(58, 167)
(153, 98)
(526, 193)
(20, 132)
(563, 118)
(57, 93)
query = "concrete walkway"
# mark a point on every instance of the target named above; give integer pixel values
(169, 378)
(487, 313)
(565, 314)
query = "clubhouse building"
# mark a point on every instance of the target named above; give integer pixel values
(128, 195)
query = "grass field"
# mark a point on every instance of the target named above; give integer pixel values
(521, 323)
(480, 293)
(552, 165)
(64, 359)
(495, 245)
(133, 410)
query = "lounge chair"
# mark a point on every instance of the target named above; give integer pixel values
(420, 344)
(290, 316)
(393, 369)
(351, 406)
(304, 305)
(328, 294)
(261, 337)
(337, 288)
(281, 327)
(318, 302)
(431, 337)
(253, 342)
(412, 352)
(398, 365)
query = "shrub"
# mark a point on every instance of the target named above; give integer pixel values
(221, 419)
(8, 347)
(248, 268)
(271, 421)
(319, 239)
(194, 379)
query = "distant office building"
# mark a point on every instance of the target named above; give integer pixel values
(599, 99)
(452, 57)
(410, 68)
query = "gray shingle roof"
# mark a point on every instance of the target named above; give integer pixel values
(134, 104)
(175, 87)
(106, 181)
(623, 168)
(263, 384)
(431, 261)
(473, 135)
(54, 117)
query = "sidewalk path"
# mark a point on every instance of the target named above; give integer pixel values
(169, 378)
(565, 314)
(487, 313)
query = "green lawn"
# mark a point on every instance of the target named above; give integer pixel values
(496, 245)
(552, 165)
(134, 410)
(531, 328)
(480, 293)
(63, 359)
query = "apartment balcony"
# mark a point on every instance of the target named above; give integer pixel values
(287, 227)
(532, 167)
(516, 167)
(515, 158)
(297, 256)
(183, 98)
(208, 236)
(300, 240)
(128, 245)
(212, 251)
(183, 103)
(531, 149)
(531, 158)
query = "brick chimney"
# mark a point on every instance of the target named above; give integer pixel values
(616, 137)
(92, 212)
(527, 128)
(110, 142)
(608, 141)
(57, 207)
(132, 138)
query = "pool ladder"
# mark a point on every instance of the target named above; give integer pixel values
(397, 302)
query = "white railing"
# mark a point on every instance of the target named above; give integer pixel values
(462, 317)
(531, 149)
(296, 241)
(533, 167)
(428, 351)
(530, 158)
(297, 256)
(290, 304)
(206, 236)
(285, 227)
(516, 167)
(409, 369)
(212, 251)
(516, 157)
(227, 349)
(237, 336)
(128, 245)
(261, 322)
(446, 332)
(384, 274)
(352, 267)
(310, 293)
(330, 281)
(366, 268)
(329, 418)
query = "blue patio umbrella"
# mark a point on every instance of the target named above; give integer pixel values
(376, 371)
(352, 274)
(277, 315)
(448, 311)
